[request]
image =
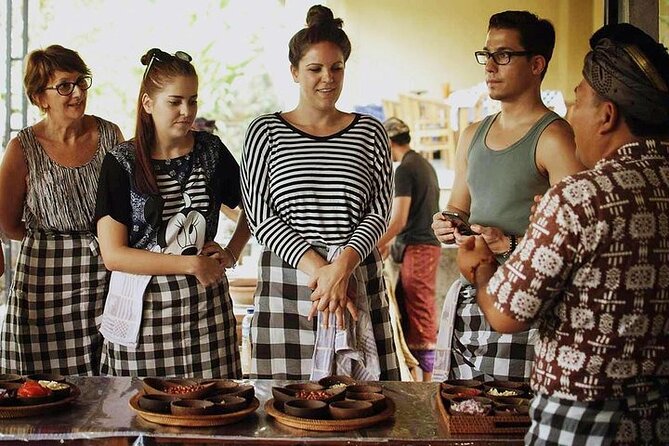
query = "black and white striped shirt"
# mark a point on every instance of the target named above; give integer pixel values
(299, 190)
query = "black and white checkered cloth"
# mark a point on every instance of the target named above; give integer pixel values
(187, 330)
(57, 294)
(283, 339)
(480, 352)
(558, 421)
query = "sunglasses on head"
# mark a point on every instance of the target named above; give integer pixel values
(162, 56)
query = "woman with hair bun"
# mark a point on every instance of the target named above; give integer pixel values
(48, 179)
(317, 188)
(157, 214)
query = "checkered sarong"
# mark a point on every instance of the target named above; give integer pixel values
(283, 339)
(187, 330)
(57, 294)
(481, 352)
(558, 421)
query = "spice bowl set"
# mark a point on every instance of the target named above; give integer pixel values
(194, 403)
(36, 394)
(474, 406)
(335, 403)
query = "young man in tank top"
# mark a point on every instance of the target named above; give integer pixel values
(502, 162)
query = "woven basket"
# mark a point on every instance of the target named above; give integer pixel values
(483, 424)
(330, 425)
(40, 409)
(193, 420)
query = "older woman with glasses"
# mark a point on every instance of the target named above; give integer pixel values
(48, 181)
(157, 210)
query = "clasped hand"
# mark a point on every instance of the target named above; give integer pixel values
(333, 293)
(212, 263)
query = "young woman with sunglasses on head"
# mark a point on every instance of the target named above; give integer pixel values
(48, 180)
(158, 208)
(317, 183)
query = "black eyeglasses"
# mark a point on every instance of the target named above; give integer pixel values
(162, 56)
(502, 57)
(66, 88)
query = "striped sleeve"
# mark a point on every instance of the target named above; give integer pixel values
(268, 228)
(375, 221)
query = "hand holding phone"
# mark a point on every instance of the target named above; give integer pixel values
(462, 225)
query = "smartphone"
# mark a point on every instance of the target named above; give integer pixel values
(463, 226)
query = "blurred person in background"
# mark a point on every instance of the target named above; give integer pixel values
(412, 244)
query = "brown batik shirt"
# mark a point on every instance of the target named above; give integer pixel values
(593, 273)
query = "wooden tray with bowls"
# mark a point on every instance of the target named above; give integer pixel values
(193, 420)
(507, 413)
(14, 406)
(194, 403)
(334, 404)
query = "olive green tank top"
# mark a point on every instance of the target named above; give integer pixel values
(503, 183)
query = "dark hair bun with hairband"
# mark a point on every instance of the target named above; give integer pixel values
(319, 15)
(146, 58)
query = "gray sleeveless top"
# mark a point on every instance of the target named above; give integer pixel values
(502, 183)
(60, 198)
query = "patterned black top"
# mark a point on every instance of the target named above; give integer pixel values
(61, 198)
(192, 188)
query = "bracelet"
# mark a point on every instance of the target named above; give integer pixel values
(229, 251)
(513, 242)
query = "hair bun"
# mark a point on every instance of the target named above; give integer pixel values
(146, 58)
(319, 15)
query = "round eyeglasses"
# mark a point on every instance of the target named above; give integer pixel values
(66, 88)
(502, 57)
(162, 56)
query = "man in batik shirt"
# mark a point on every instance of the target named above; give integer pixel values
(592, 272)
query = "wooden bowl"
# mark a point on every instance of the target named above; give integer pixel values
(220, 386)
(175, 387)
(336, 381)
(191, 407)
(10, 378)
(304, 386)
(475, 383)
(283, 395)
(511, 409)
(345, 410)
(507, 401)
(378, 400)
(246, 391)
(156, 403)
(46, 377)
(364, 388)
(312, 409)
(461, 391)
(229, 404)
(35, 400)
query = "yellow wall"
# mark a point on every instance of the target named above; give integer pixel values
(401, 45)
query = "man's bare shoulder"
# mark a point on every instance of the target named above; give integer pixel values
(556, 152)
(558, 133)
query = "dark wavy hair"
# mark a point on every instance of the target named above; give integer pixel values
(321, 27)
(160, 72)
(536, 35)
